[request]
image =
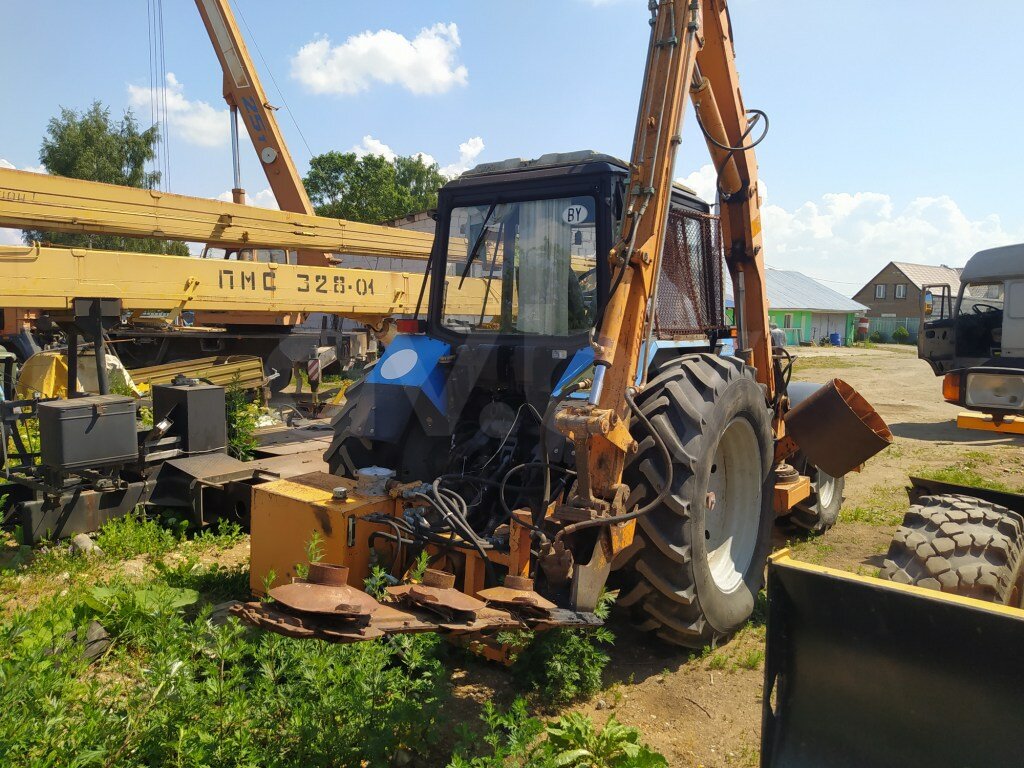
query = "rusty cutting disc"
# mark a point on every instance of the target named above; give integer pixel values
(325, 599)
(517, 592)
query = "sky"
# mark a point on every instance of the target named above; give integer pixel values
(893, 124)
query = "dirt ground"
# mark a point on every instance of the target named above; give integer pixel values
(706, 710)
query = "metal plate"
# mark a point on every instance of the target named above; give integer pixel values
(863, 672)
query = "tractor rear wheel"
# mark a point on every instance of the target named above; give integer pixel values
(960, 544)
(701, 554)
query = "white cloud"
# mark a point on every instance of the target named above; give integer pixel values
(372, 146)
(427, 64)
(195, 122)
(262, 199)
(7, 164)
(469, 150)
(702, 181)
(845, 238)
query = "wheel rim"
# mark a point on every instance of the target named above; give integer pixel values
(824, 488)
(731, 526)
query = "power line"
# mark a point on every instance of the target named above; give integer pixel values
(273, 79)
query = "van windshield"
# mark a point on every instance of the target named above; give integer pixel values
(981, 298)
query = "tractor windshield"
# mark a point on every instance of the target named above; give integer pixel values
(523, 267)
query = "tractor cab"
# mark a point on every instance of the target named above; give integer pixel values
(519, 276)
(976, 338)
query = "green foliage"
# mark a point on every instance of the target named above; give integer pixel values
(514, 739)
(175, 690)
(751, 659)
(877, 337)
(243, 417)
(314, 554)
(224, 535)
(137, 534)
(371, 188)
(900, 335)
(89, 145)
(563, 665)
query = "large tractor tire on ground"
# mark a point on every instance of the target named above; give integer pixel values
(700, 556)
(960, 544)
(819, 511)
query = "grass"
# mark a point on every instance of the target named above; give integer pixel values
(975, 468)
(884, 507)
(808, 362)
(177, 688)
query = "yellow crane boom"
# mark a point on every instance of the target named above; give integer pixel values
(244, 93)
(50, 279)
(38, 201)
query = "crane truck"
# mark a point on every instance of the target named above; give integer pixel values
(272, 330)
(590, 420)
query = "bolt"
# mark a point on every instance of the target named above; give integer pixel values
(710, 500)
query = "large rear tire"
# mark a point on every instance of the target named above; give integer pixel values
(960, 544)
(701, 555)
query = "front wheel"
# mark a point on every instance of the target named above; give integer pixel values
(701, 561)
(820, 511)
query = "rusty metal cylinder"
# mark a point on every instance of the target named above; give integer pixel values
(707, 111)
(837, 429)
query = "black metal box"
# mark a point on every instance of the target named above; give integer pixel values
(93, 431)
(197, 413)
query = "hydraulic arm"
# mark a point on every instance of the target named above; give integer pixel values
(691, 49)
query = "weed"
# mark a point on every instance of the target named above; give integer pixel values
(885, 507)
(174, 691)
(718, 660)
(314, 554)
(514, 739)
(965, 472)
(563, 665)
(224, 535)
(136, 534)
(242, 417)
(751, 659)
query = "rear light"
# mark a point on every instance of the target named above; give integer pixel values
(951, 388)
(732, 332)
(411, 326)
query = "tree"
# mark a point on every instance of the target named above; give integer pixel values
(88, 145)
(371, 188)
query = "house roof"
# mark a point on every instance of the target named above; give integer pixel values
(795, 290)
(926, 274)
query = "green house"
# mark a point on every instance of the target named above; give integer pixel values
(805, 309)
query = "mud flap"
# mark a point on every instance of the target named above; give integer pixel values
(864, 672)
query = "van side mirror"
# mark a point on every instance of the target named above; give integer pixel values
(929, 304)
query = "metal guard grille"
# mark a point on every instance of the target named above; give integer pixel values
(690, 283)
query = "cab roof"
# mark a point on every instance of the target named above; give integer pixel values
(997, 263)
(558, 163)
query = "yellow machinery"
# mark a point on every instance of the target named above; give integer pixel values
(590, 407)
(860, 671)
(38, 201)
(51, 278)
